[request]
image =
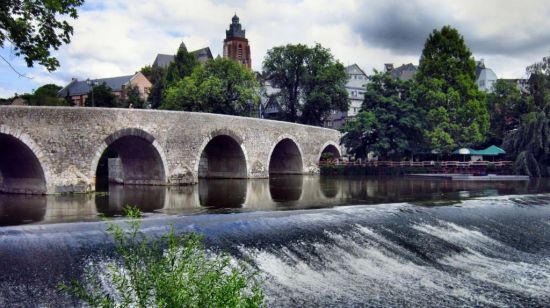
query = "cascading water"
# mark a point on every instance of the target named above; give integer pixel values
(485, 251)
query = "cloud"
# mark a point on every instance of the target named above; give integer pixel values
(116, 37)
(5, 93)
(490, 27)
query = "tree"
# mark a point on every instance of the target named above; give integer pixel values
(220, 86)
(133, 97)
(101, 96)
(360, 133)
(324, 87)
(539, 82)
(506, 105)
(456, 109)
(311, 82)
(157, 90)
(391, 124)
(46, 95)
(34, 28)
(530, 142)
(182, 66)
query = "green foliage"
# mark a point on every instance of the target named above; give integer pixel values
(220, 86)
(539, 83)
(359, 133)
(48, 90)
(285, 69)
(506, 105)
(324, 87)
(34, 28)
(389, 125)
(102, 96)
(183, 65)
(151, 73)
(446, 84)
(173, 271)
(311, 82)
(530, 142)
(527, 164)
(327, 156)
(45, 95)
(133, 97)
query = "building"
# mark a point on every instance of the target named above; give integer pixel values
(356, 87)
(235, 45)
(19, 101)
(485, 77)
(77, 90)
(404, 72)
(269, 104)
(202, 55)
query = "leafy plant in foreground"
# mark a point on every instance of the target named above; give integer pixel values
(172, 271)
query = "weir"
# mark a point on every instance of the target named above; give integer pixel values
(48, 150)
(366, 255)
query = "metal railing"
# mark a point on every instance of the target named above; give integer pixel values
(446, 166)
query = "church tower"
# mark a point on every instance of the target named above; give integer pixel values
(235, 45)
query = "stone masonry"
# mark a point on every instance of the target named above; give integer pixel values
(155, 147)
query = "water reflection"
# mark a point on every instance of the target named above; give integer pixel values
(21, 209)
(147, 198)
(222, 193)
(286, 188)
(281, 192)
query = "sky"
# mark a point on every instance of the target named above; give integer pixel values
(116, 37)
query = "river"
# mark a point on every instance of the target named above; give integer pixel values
(317, 241)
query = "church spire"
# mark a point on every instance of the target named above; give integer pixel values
(235, 28)
(235, 45)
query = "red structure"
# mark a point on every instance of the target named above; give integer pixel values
(235, 45)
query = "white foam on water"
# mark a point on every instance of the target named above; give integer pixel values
(532, 279)
(528, 278)
(460, 236)
(357, 267)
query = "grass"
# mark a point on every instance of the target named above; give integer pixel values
(171, 271)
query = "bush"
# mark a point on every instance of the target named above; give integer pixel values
(172, 271)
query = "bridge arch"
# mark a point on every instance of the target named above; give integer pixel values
(285, 157)
(142, 159)
(222, 156)
(23, 169)
(331, 148)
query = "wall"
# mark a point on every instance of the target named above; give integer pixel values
(68, 141)
(143, 84)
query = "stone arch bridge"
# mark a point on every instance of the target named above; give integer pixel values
(46, 150)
